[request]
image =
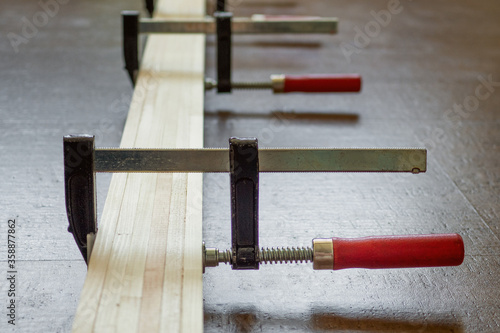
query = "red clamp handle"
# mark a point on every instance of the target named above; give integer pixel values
(321, 83)
(398, 251)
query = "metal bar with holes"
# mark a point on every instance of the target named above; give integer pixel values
(271, 160)
(240, 25)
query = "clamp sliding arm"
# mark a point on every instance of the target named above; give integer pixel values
(244, 169)
(224, 58)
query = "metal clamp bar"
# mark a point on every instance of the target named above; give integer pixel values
(244, 166)
(223, 20)
(271, 160)
(242, 25)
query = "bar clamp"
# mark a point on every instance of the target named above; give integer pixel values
(224, 26)
(244, 161)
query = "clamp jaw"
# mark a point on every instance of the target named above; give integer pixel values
(150, 6)
(244, 169)
(79, 185)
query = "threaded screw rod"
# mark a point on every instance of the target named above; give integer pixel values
(282, 255)
(211, 84)
(285, 255)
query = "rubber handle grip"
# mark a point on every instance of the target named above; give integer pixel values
(398, 251)
(322, 83)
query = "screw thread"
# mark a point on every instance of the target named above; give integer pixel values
(251, 85)
(274, 255)
(225, 256)
(285, 255)
(211, 84)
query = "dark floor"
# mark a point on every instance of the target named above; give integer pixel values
(424, 72)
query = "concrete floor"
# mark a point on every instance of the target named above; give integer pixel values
(68, 77)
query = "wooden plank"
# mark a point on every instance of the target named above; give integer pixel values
(145, 273)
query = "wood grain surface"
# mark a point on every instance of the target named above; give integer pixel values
(429, 57)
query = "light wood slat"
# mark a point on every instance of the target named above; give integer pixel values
(145, 271)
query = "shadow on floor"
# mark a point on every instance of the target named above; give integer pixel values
(313, 116)
(248, 319)
(275, 43)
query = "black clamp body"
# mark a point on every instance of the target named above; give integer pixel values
(221, 5)
(130, 21)
(79, 181)
(244, 169)
(223, 20)
(223, 27)
(150, 6)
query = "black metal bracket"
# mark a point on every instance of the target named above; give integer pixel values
(221, 6)
(150, 6)
(244, 169)
(79, 181)
(130, 21)
(223, 23)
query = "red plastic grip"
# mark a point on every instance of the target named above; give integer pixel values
(398, 251)
(322, 83)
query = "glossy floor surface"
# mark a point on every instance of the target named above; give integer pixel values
(431, 78)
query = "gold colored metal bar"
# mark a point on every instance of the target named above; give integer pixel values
(270, 160)
(241, 26)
